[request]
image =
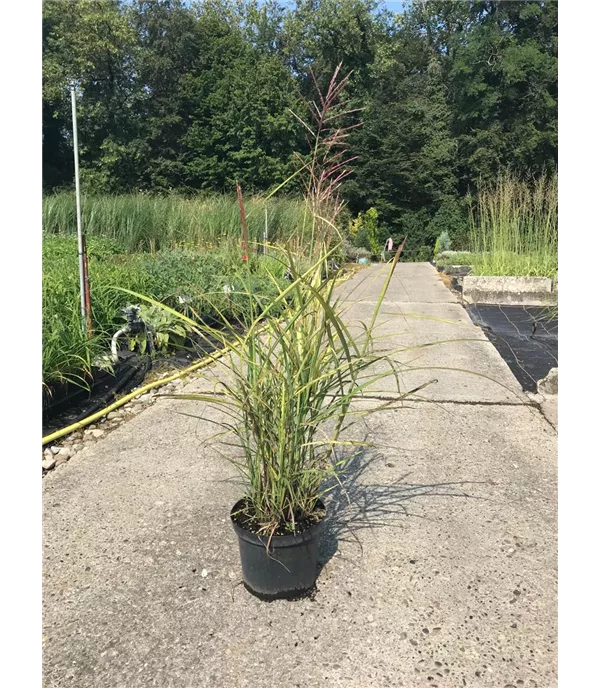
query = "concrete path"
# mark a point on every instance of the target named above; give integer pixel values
(441, 572)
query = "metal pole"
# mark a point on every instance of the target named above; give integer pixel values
(78, 202)
(244, 225)
(266, 237)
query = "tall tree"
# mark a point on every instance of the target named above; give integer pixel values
(504, 83)
(238, 100)
(406, 154)
(443, 25)
(168, 44)
(320, 34)
(92, 44)
(184, 96)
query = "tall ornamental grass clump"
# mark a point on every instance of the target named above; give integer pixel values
(287, 383)
(286, 390)
(514, 228)
(142, 223)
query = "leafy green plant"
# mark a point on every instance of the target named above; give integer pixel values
(443, 243)
(358, 232)
(451, 217)
(182, 279)
(423, 254)
(364, 232)
(372, 228)
(168, 331)
(354, 226)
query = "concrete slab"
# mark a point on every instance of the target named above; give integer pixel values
(411, 282)
(437, 341)
(549, 406)
(441, 571)
(443, 564)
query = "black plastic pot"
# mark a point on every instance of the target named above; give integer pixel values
(287, 569)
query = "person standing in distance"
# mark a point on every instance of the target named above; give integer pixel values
(389, 245)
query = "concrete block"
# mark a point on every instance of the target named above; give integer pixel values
(519, 291)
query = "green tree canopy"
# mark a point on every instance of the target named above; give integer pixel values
(180, 96)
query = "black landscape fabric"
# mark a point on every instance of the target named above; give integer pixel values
(525, 336)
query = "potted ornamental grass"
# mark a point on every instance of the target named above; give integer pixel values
(288, 381)
(285, 391)
(292, 383)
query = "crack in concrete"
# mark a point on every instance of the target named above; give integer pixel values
(540, 408)
(401, 303)
(462, 402)
(537, 406)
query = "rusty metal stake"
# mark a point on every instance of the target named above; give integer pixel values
(244, 224)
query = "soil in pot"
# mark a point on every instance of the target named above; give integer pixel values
(283, 566)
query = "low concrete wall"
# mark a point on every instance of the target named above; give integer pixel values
(518, 291)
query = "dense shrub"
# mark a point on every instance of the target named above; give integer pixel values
(353, 253)
(451, 217)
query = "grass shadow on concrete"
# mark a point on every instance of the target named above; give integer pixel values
(356, 503)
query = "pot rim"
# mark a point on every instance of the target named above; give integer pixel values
(277, 540)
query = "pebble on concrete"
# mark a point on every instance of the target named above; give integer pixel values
(58, 455)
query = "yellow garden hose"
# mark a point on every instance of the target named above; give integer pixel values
(141, 390)
(123, 400)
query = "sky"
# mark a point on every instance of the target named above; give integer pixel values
(395, 6)
(392, 5)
